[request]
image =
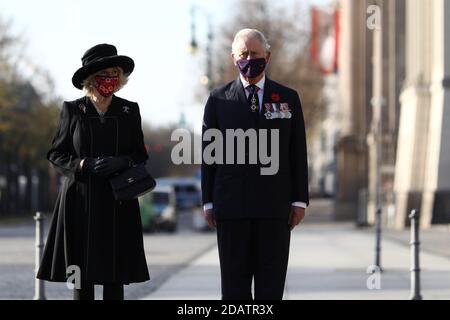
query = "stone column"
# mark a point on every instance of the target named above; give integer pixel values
(416, 99)
(355, 93)
(435, 206)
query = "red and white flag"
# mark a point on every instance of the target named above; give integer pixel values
(325, 38)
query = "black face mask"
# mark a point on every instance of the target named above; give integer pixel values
(251, 68)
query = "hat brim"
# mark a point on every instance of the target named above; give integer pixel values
(126, 63)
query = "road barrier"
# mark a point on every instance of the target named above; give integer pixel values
(415, 251)
(39, 287)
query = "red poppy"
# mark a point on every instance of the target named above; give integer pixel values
(275, 97)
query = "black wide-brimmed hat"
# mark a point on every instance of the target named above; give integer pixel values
(100, 57)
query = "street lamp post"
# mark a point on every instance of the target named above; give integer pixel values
(415, 251)
(377, 103)
(193, 47)
(39, 290)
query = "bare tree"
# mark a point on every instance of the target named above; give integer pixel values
(26, 125)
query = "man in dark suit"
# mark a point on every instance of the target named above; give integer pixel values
(254, 212)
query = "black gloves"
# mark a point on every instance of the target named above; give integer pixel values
(105, 166)
(109, 165)
(88, 165)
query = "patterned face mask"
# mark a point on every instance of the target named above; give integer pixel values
(106, 85)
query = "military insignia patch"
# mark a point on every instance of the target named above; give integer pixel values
(277, 111)
(253, 105)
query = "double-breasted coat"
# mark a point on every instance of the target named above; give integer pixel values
(239, 191)
(89, 228)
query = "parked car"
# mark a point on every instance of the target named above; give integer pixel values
(158, 210)
(188, 199)
(187, 191)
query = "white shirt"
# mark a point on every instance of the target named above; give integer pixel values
(260, 85)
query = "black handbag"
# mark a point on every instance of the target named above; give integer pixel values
(132, 183)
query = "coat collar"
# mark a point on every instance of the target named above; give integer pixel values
(267, 90)
(260, 84)
(91, 110)
(237, 91)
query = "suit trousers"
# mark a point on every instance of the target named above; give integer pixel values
(111, 291)
(253, 249)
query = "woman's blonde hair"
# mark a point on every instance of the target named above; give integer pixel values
(89, 82)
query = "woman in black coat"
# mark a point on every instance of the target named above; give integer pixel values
(98, 135)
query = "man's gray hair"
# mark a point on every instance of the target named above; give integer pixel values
(250, 34)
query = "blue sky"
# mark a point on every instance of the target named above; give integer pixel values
(154, 33)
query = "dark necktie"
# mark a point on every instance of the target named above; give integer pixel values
(253, 100)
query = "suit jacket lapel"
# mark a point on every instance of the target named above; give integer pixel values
(267, 91)
(90, 109)
(266, 99)
(236, 92)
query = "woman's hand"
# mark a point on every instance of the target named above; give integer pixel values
(87, 165)
(109, 165)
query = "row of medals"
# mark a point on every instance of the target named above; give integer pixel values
(278, 114)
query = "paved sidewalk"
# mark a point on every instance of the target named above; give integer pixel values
(166, 254)
(327, 261)
(434, 240)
